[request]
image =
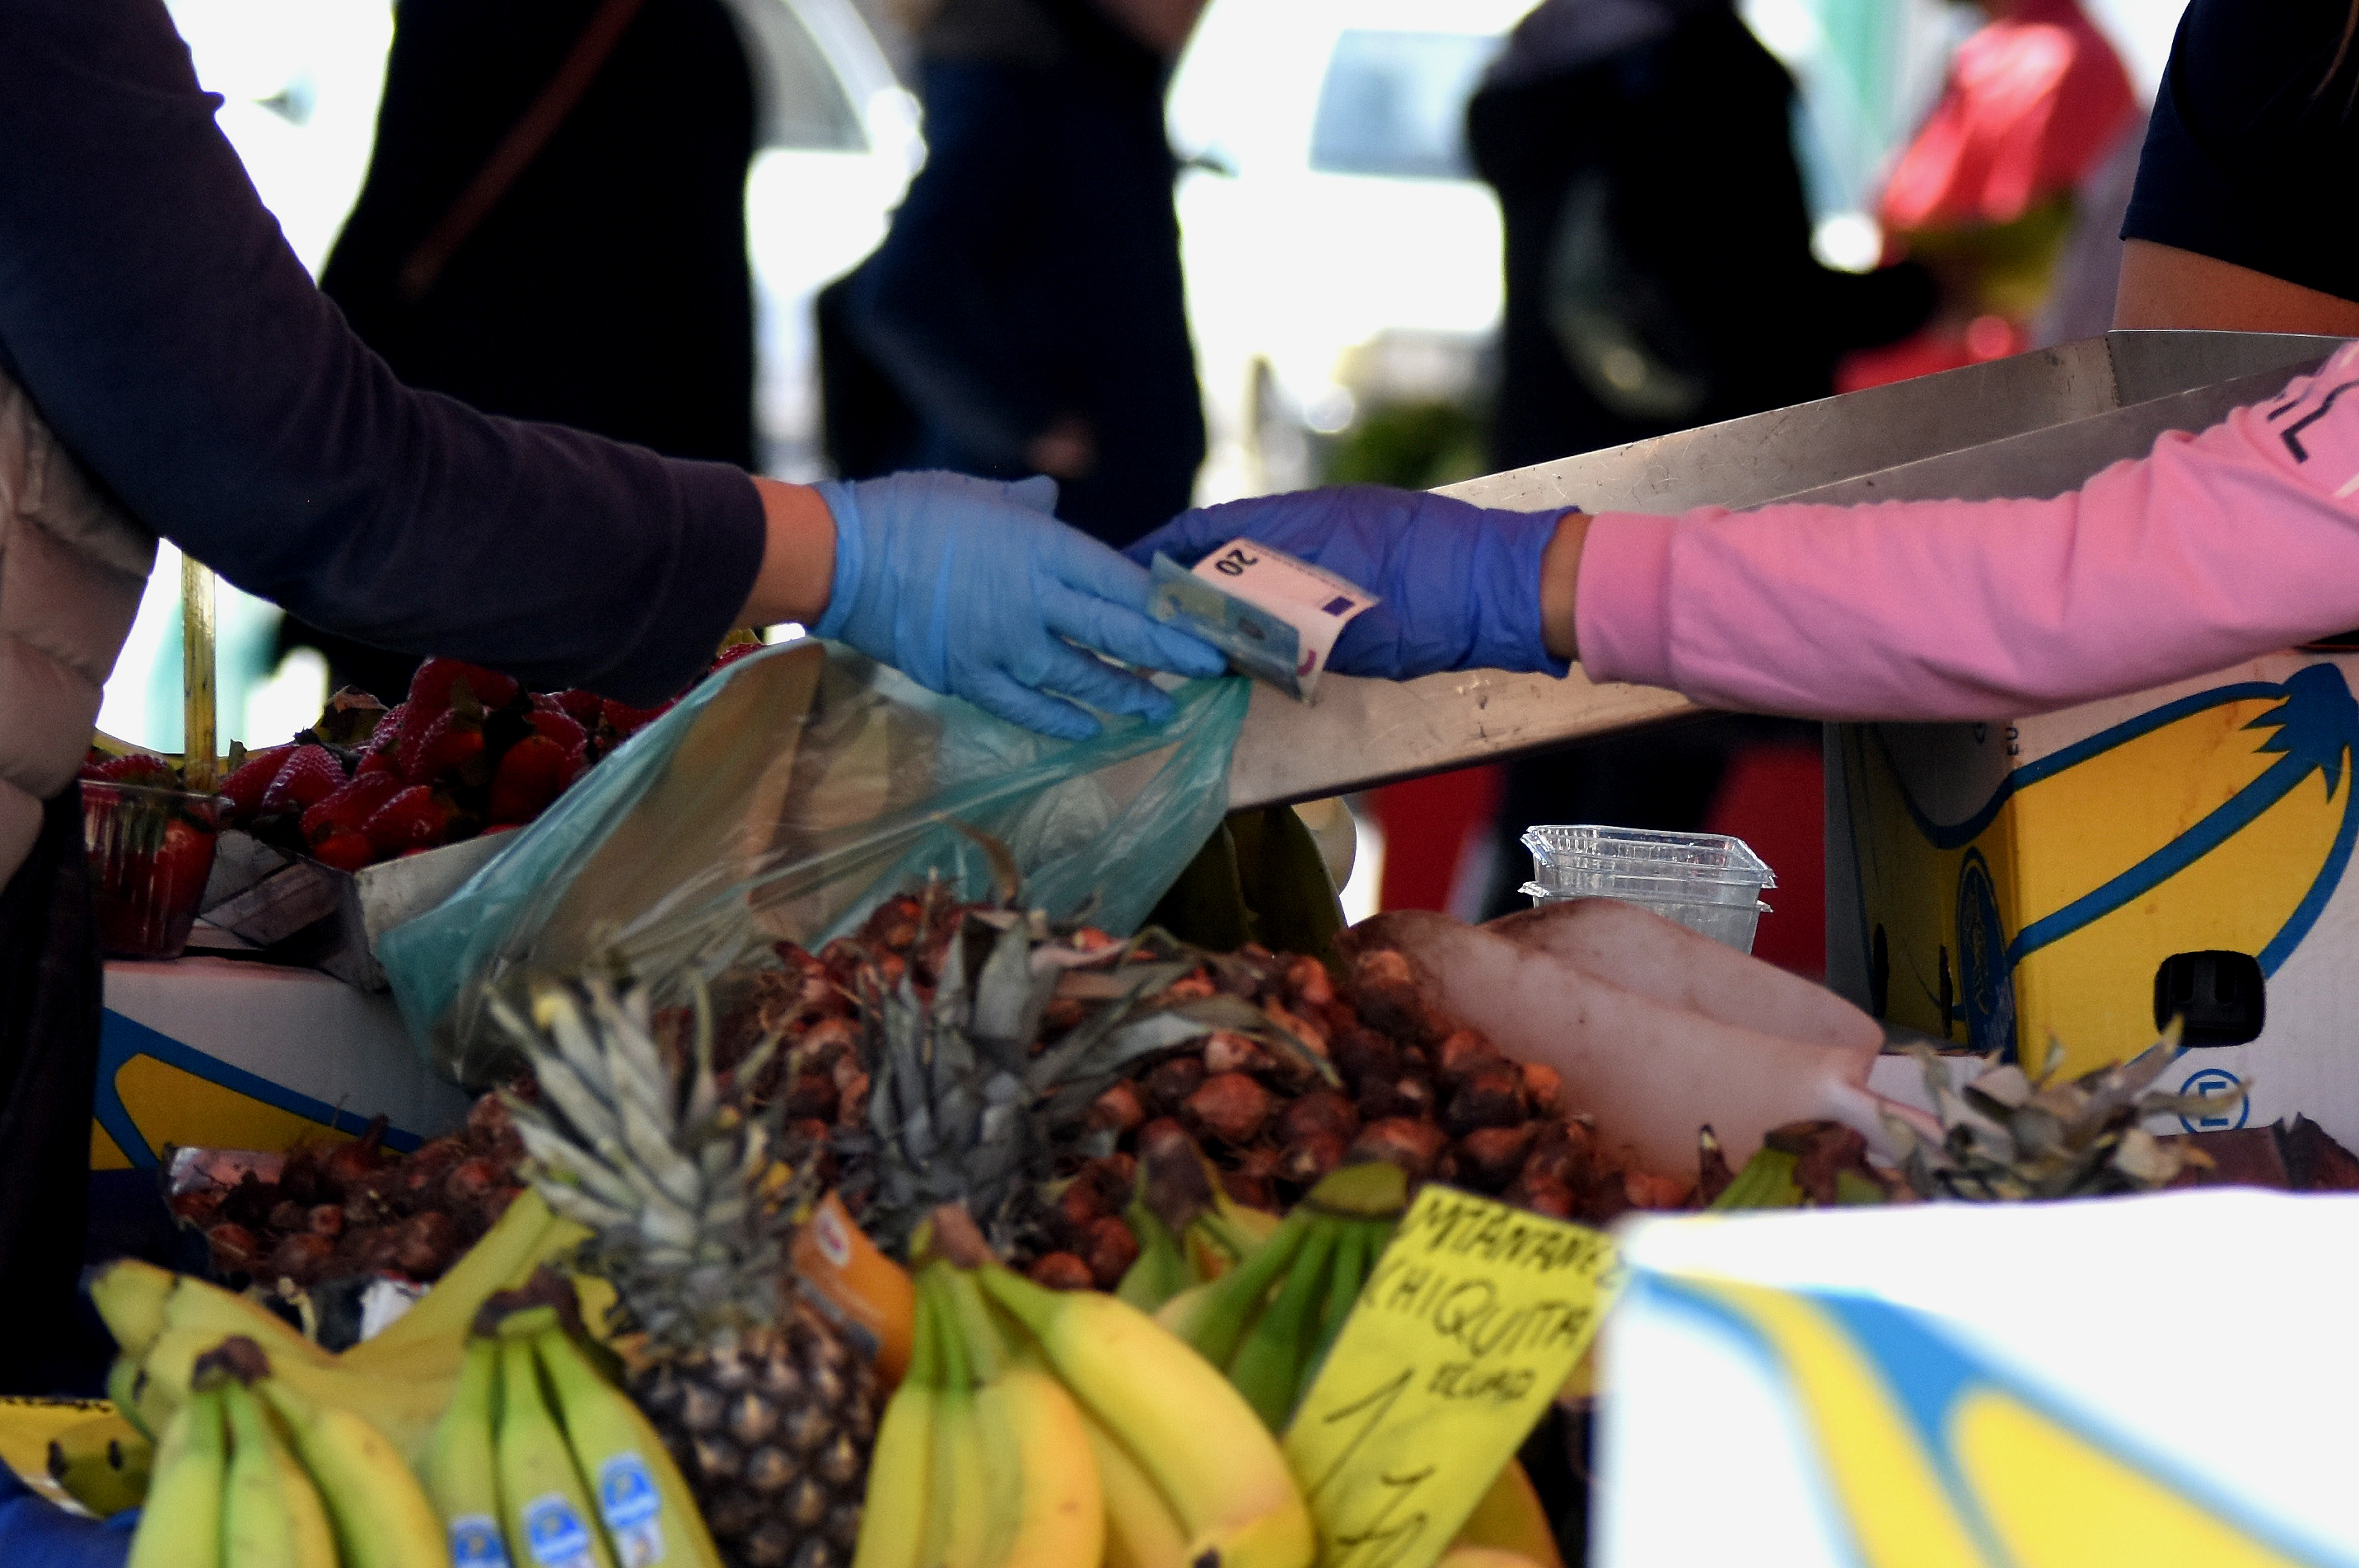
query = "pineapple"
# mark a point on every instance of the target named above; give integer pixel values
(768, 1407)
(966, 1104)
(2009, 1136)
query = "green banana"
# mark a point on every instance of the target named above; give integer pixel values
(180, 1526)
(544, 1507)
(1237, 1299)
(1355, 1254)
(1003, 1467)
(460, 1472)
(650, 1516)
(381, 1515)
(893, 1515)
(1766, 1182)
(959, 1522)
(1268, 1367)
(1206, 1452)
(1160, 1271)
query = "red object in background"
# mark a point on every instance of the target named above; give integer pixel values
(2032, 102)
(1427, 824)
(1774, 798)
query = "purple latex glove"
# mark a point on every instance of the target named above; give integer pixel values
(1461, 583)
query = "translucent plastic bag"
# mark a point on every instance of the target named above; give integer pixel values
(783, 800)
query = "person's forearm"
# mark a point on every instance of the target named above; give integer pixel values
(2213, 548)
(798, 557)
(150, 307)
(2163, 287)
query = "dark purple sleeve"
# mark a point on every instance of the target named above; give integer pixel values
(153, 310)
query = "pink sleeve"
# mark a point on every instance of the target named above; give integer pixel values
(2213, 548)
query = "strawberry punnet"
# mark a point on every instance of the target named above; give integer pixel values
(139, 767)
(310, 775)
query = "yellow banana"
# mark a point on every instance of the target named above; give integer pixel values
(121, 1380)
(129, 1295)
(543, 1505)
(900, 1468)
(1173, 1411)
(1510, 1519)
(380, 1514)
(650, 1516)
(102, 1464)
(181, 1525)
(461, 1473)
(315, 1537)
(526, 1236)
(998, 1440)
(258, 1527)
(1139, 1530)
(1061, 1515)
(404, 1409)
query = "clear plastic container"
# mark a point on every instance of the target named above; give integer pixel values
(150, 850)
(1707, 882)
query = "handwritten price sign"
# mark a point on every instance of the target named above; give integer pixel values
(1469, 1324)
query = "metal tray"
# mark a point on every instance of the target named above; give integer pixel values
(2037, 424)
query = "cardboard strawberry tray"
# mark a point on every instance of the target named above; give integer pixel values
(298, 912)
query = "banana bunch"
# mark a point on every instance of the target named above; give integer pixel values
(540, 1460)
(252, 1474)
(1043, 1429)
(399, 1381)
(1270, 1321)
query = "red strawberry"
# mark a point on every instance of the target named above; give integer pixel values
(388, 726)
(414, 819)
(310, 775)
(435, 685)
(139, 767)
(559, 725)
(449, 744)
(348, 807)
(529, 777)
(624, 720)
(244, 787)
(386, 761)
(586, 707)
(344, 850)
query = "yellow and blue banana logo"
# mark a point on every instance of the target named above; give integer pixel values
(2221, 820)
(1932, 1457)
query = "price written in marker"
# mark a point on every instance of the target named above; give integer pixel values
(1468, 1326)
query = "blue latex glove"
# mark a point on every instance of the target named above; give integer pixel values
(37, 1533)
(972, 587)
(1461, 583)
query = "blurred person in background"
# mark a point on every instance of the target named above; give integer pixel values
(1027, 306)
(1659, 276)
(2035, 105)
(553, 227)
(167, 367)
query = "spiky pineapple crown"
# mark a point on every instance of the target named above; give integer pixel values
(2011, 1136)
(643, 1149)
(966, 1107)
